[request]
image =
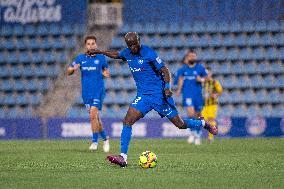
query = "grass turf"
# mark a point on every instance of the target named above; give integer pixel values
(227, 163)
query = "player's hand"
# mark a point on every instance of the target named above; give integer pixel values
(214, 95)
(200, 79)
(168, 92)
(92, 52)
(76, 67)
(106, 73)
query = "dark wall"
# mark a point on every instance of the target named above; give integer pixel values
(201, 10)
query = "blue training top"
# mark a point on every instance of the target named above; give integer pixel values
(145, 68)
(91, 74)
(191, 87)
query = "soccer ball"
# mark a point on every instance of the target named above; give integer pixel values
(148, 160)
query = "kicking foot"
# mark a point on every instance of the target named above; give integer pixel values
(118, 160)
(213, 129)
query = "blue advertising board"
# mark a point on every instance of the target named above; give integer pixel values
(43, 11)
(77, 128)
(162, 128)
(20, 128)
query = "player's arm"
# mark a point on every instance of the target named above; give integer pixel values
(202, 75)
(179, 85)
(218, 89)
(167, 79)
(72, 68)
(200, 79)
(110, 54)
(105, 68)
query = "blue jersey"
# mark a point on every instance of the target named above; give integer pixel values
(191, 87)
(91, 74)
(145, 68)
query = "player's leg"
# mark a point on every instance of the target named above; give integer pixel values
(169, 110)
(131, 117)
(102, 132)
(166, 108)
(212, 114)
(191, 114)
(139, 107)
(104, 136)
(93, 114)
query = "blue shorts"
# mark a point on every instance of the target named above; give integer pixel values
(164, 106)
(196, 102)
(96, 100)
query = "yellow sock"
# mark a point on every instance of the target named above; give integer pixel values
(210, 136)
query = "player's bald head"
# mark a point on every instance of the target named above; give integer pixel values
(133, 42)
(131, 36)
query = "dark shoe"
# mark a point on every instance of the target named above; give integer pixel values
(117, 159)
(211, 128)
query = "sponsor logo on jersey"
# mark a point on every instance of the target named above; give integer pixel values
(89, 68)
(255, 125)
(136, 69)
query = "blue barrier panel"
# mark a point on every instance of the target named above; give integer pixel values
(20, 128)
(162, 128)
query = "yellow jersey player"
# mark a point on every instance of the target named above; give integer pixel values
(212, 90)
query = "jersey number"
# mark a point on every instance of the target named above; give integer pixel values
(136, 100)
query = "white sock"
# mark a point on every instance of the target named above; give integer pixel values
(203, 122)
(124, 156)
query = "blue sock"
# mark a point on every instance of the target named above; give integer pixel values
(95, 137)
(193, 124)
(103, 135)
(125, 138)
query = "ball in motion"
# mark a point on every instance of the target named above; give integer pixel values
(148, 160)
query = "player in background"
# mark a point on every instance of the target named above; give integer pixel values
(212, 89)
(93, 67)
(189, 79)
(152, 80)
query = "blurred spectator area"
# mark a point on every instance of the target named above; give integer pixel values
(31, 57)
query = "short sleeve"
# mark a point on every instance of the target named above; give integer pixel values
(122, 55)
(157, 61)
(104, 62)
(77, 60)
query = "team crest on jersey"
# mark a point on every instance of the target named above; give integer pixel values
(224, 125)
(255, 125)
(96, 61)
(195, 72)
(140, 61)
(159, 60)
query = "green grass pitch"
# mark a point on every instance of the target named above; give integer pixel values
(227, 163)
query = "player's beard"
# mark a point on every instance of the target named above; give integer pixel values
(191, 63)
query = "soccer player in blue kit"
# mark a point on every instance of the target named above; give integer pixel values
(189, 79)
(153, 80)
(93, 67)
